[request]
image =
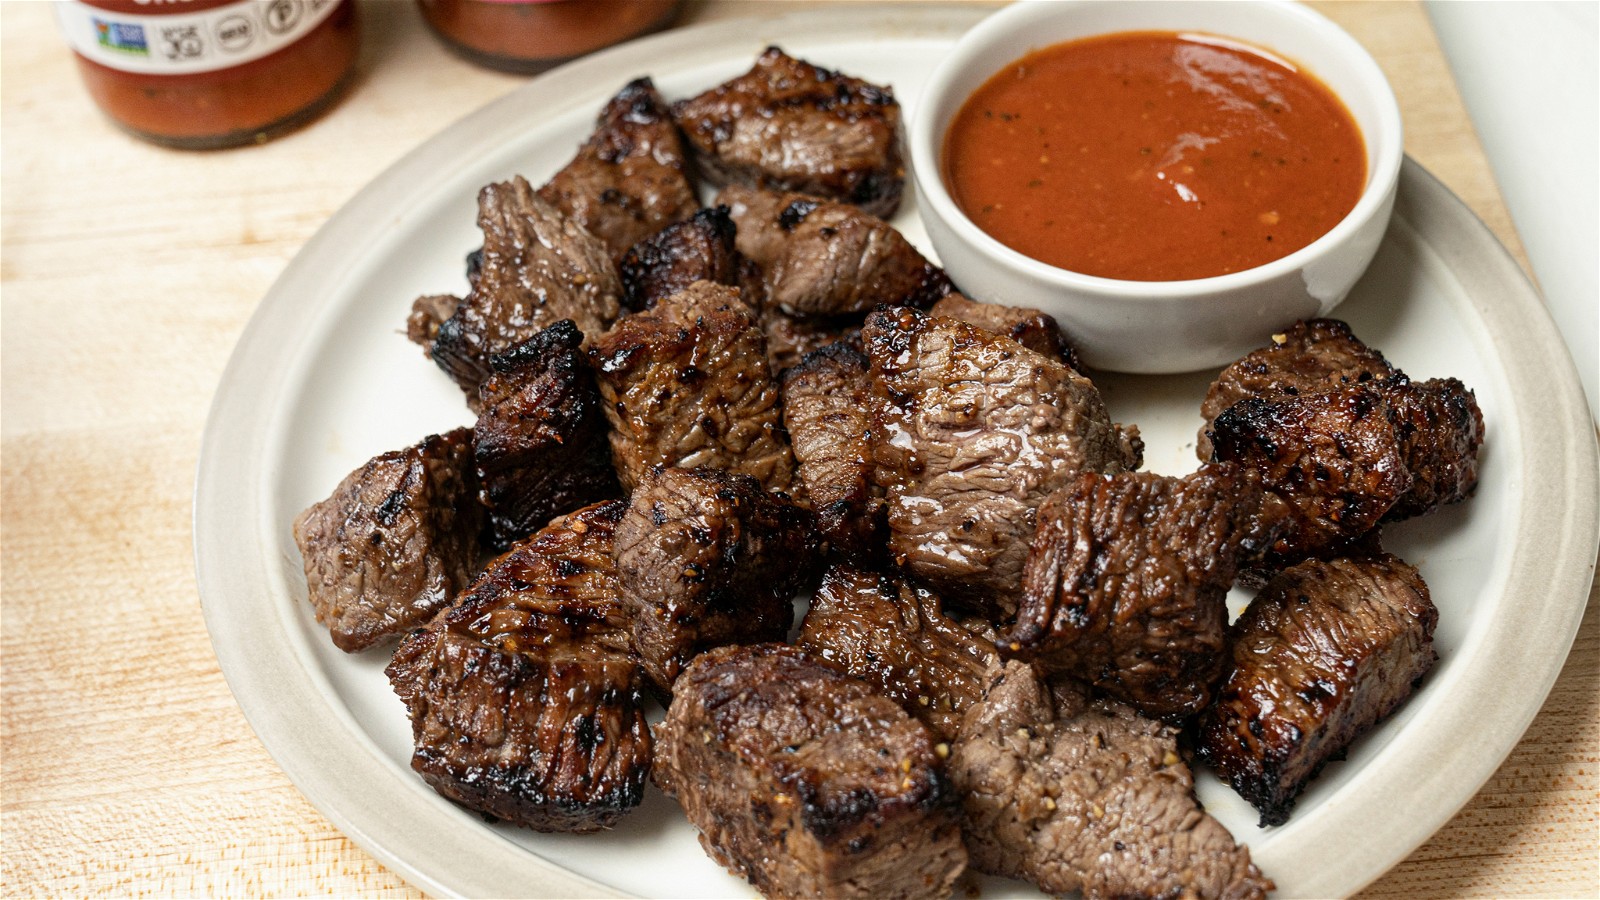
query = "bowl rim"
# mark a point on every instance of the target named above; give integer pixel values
(926, 148)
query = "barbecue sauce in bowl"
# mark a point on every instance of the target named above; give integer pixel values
(1154, 156)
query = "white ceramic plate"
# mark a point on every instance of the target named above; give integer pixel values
(323, 379)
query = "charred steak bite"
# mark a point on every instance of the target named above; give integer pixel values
(895, 636)
(707, 558)
(1323, 653)
(971, 431)
(526, 702)
(1334, 457)
(540, 444)
(825, 409)
(1127, 580)
(630, 179)
(791, 126)
(1092, 798)
(699, 248)
(1032, 328)
(1440, 429)
(395, 541)
(428, 312)
(791, 338)
(806, 782)
(1313, 356)
(829, 259)
(687, 384)
(539, 267)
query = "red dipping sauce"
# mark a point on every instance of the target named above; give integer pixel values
(1154, 156)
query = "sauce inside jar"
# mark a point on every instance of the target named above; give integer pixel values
(1154, 156)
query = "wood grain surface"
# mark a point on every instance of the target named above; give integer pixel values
(128, 272)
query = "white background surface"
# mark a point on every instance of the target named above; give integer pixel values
(1529, 73)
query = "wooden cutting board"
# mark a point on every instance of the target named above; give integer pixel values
(128, 272)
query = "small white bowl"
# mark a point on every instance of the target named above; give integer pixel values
(1162, 326)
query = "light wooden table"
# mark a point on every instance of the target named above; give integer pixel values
(128, 272)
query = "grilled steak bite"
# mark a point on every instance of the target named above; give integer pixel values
(526, 702)
(539, 267)
(1093, 798)
(630, 178)
(791, 338)
(1314, 355)
(896, 637)
(971, 432)
(1440, 429)
(540, 443)
(699, 248)
(1333, 456)
(427, 314)
(1322, 654)
(804, 781)
(687, 384)
(829, 259)
(826, 410)
(788, 125)
(395, 541)
(1029, 327)
(1127, 581)
(708, 558)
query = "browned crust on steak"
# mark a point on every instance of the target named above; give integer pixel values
(1323, 653)
(540, 443)
(805, 782)
(688, 384)
(538, 267)
(394, 542)
(1333, 456)
(896, 637)
(525, 699)
(630, 178)
(971, 431)
(1312, 356)
(1127, 581)
(827, 413)
(1032, 328)
(789, 125)
(829, 259)
(707, 558)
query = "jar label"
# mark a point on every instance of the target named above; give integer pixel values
(178, 42)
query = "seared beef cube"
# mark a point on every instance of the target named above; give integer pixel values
(1440, 430)
(1091, 798)
(540, 443)
(630, 179)
(971, 432)
(708, 558)
(825, 409)
(700, 248)
(896, 637)
(829, 259)
(1313, 356)
(526, 702)
(806, 782)
(539, 267)
(427, 314)
(687, 384)
(1127, 582)
(1032, 328)
(1323, 653)
(1333, 456)
(791, 126)
(395, 541)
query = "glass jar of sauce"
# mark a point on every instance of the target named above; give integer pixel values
(529, 36)
(205, 74)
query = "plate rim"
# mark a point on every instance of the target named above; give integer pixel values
(280, 699)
